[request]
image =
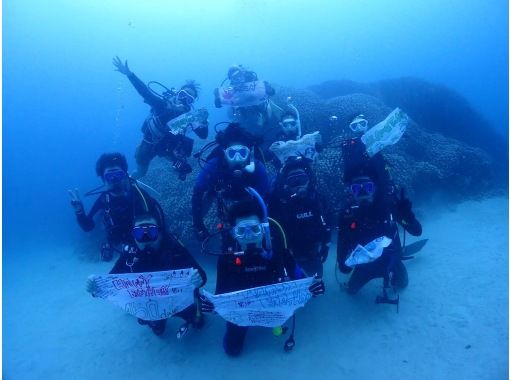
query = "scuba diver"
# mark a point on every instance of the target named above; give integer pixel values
(230, 168)
(289, 142)
(257, 257)
(368, 235)
(154, 250)
(296, 204)
(355, 155)
(290, 128)
(362, 143)
(158, 140)
(249, 99)
(118, 201)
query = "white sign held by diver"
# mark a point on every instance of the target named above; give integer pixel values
(191, 119)
(149, 296)
(266, 306)
(370, 252)
(304, 147)
(242, 95)
(385, 133)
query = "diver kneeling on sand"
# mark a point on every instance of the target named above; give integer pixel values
(157, 250)
(258, 257)
(368, 237)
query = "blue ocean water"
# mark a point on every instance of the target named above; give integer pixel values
(63, 104)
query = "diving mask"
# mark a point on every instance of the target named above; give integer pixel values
(247, 229)
(145, 233)
(185, 97)
(114, 176)
(367, 187)
(237, 153)
(289, 125)
(359, 124)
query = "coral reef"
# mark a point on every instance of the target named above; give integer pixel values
(432, 156)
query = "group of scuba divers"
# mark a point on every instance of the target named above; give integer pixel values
(266, 230)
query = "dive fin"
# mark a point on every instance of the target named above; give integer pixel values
(413, 249)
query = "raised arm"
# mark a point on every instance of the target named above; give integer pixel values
(137, 83)
(86, 221)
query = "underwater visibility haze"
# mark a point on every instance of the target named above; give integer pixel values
(445, 63)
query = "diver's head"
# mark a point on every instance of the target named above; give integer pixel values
(237, 144)
(358, 124)
(296, 178)
(289, 124)
(112, 168)
(237, 74)
(147, 233)
(363, 190)
(246, 217)
(297, 183)
(237, 155)
(187, 94)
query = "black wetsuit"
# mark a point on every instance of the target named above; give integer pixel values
(157, 139)
(249, 271)
(307, 232)
(118, 213)
(171, 255)
(361, 225)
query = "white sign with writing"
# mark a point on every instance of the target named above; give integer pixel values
(149, 296)
(304, 147)
(385, 133)
(267, 306)
(370, 252)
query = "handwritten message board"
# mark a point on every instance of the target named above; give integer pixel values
(149, 296)
(385, 133)
(267, 306)
(370, 252)
(304, 147)
(242, 95)
(191, 119)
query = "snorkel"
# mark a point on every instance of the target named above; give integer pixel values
(298, 119)
(250, 168)
(265, 219)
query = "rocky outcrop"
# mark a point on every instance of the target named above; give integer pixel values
(425, 160)
(434, 107)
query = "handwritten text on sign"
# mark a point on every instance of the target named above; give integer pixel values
(149, 296)
(267, 306)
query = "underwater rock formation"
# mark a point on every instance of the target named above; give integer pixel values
(433, 107)
(424, 161)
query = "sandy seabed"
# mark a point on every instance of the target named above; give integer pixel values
(452, 322)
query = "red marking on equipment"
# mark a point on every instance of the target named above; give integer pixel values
(219, 226)
(353, 225)
(238, 261)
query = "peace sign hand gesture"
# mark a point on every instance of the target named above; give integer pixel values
(76, 202)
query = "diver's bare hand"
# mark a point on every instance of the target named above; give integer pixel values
(76, 202)
(91, 286)
(122, 68)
